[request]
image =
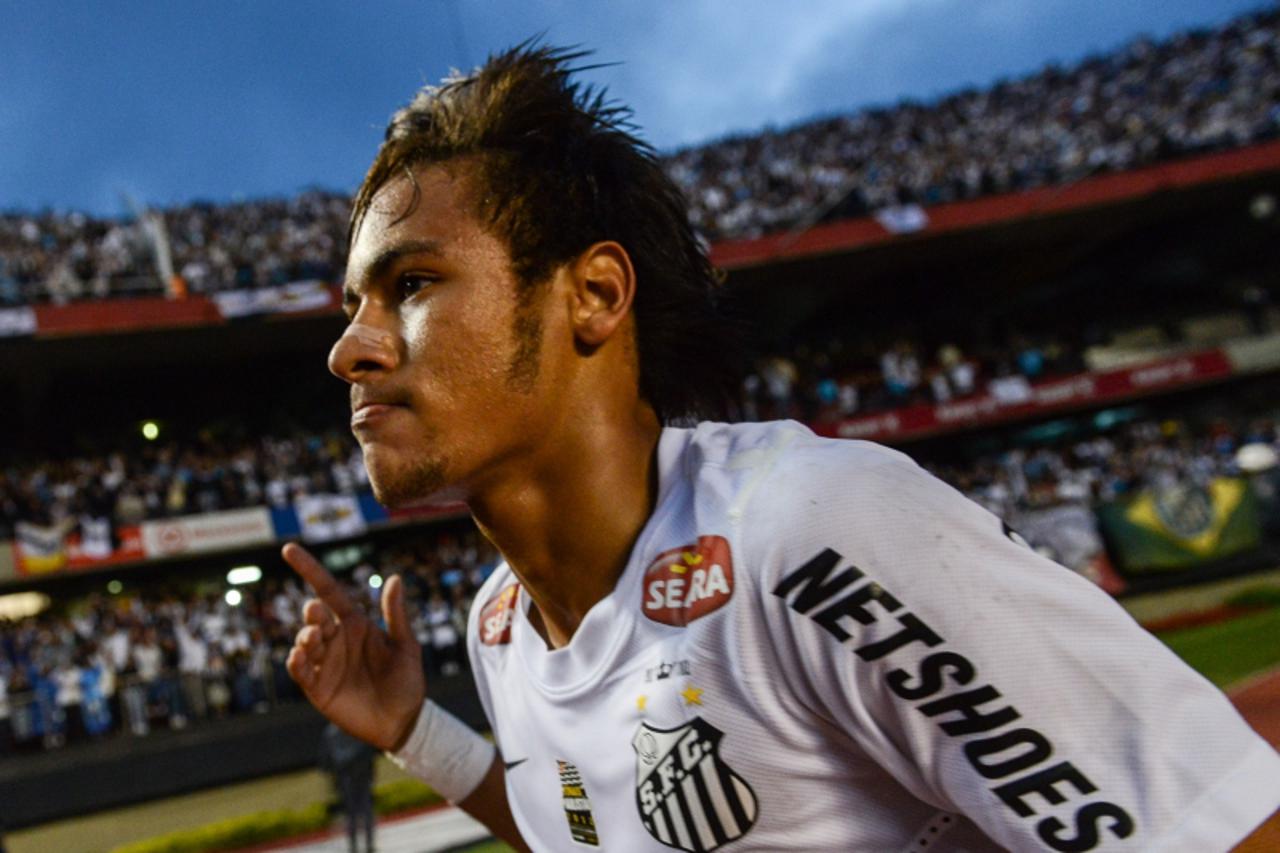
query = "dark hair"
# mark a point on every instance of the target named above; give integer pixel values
(557, 168)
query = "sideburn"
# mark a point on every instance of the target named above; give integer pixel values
(522, 372)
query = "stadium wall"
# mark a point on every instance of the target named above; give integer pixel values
(50, 786)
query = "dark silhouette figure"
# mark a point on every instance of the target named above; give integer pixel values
(349, 761)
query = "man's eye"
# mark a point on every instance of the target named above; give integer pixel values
(409, 285)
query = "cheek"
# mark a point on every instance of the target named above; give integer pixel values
(456, 349)
(419, 326)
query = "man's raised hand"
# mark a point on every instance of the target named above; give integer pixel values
(366, 680)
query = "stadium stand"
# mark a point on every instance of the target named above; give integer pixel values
(823, 384)
(179, 652)
(182, 653)
(175, 479)
(59, 258)
(1148, 102)
(1196, 92)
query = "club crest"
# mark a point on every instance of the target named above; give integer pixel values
(688, 797)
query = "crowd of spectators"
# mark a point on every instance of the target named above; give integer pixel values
(842, 378)
(1109, 466)
(54, 257)
(1195, 92)
(127, 663)
(821, 381)
(175, 478)
(147, 657)
(849, 376)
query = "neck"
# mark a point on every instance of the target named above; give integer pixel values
(567, 523)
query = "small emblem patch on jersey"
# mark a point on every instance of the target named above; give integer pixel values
(688, 797)
(495, 618)
(665, 670)
(684, 584)
(577, 808)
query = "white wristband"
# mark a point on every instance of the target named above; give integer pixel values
(445, 753)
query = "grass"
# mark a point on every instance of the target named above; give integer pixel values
(1261, 595)
(259, 827)
(1227, 652)
(488, 847)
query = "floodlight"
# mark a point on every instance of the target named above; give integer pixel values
(241, 575)
(20, 605)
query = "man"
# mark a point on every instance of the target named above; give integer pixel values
(728, 636)
(349, 762)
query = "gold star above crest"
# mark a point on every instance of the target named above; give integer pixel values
(692, 695)
(641, 701)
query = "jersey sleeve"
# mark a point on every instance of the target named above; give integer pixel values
(990, 681)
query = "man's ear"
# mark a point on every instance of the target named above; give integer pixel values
(604, 286)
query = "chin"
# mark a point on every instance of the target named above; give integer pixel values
(419, 483)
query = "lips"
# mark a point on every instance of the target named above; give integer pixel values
(369, 414)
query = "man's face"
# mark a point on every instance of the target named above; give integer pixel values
(442, 357)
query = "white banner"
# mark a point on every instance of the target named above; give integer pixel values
(17, 321)
(298, 296)
(39, 548)
(209, 532)
(902, 219)
(95, 537)
(324, 517)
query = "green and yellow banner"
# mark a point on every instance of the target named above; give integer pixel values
(1181, 526)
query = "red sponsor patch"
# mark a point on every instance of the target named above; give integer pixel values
(495, 618)
(687, 583)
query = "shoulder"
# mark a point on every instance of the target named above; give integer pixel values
(796, 496)
(781, 495)
(780, 482)
(858, 473)
(790, 458)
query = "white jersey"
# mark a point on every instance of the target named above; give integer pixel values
(816, 645)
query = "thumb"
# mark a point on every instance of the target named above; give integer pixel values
(394, 612)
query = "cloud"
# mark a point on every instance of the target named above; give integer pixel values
(718, 68)
(266, 98)
(722, 68)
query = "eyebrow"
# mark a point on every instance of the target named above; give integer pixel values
(385, 260)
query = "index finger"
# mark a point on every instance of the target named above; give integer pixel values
(326, 588)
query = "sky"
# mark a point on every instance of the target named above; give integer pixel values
(171, 101)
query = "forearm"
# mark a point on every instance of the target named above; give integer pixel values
(488, 804)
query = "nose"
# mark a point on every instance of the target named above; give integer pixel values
(363, 349)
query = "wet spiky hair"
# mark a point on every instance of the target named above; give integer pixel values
(554, 167)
